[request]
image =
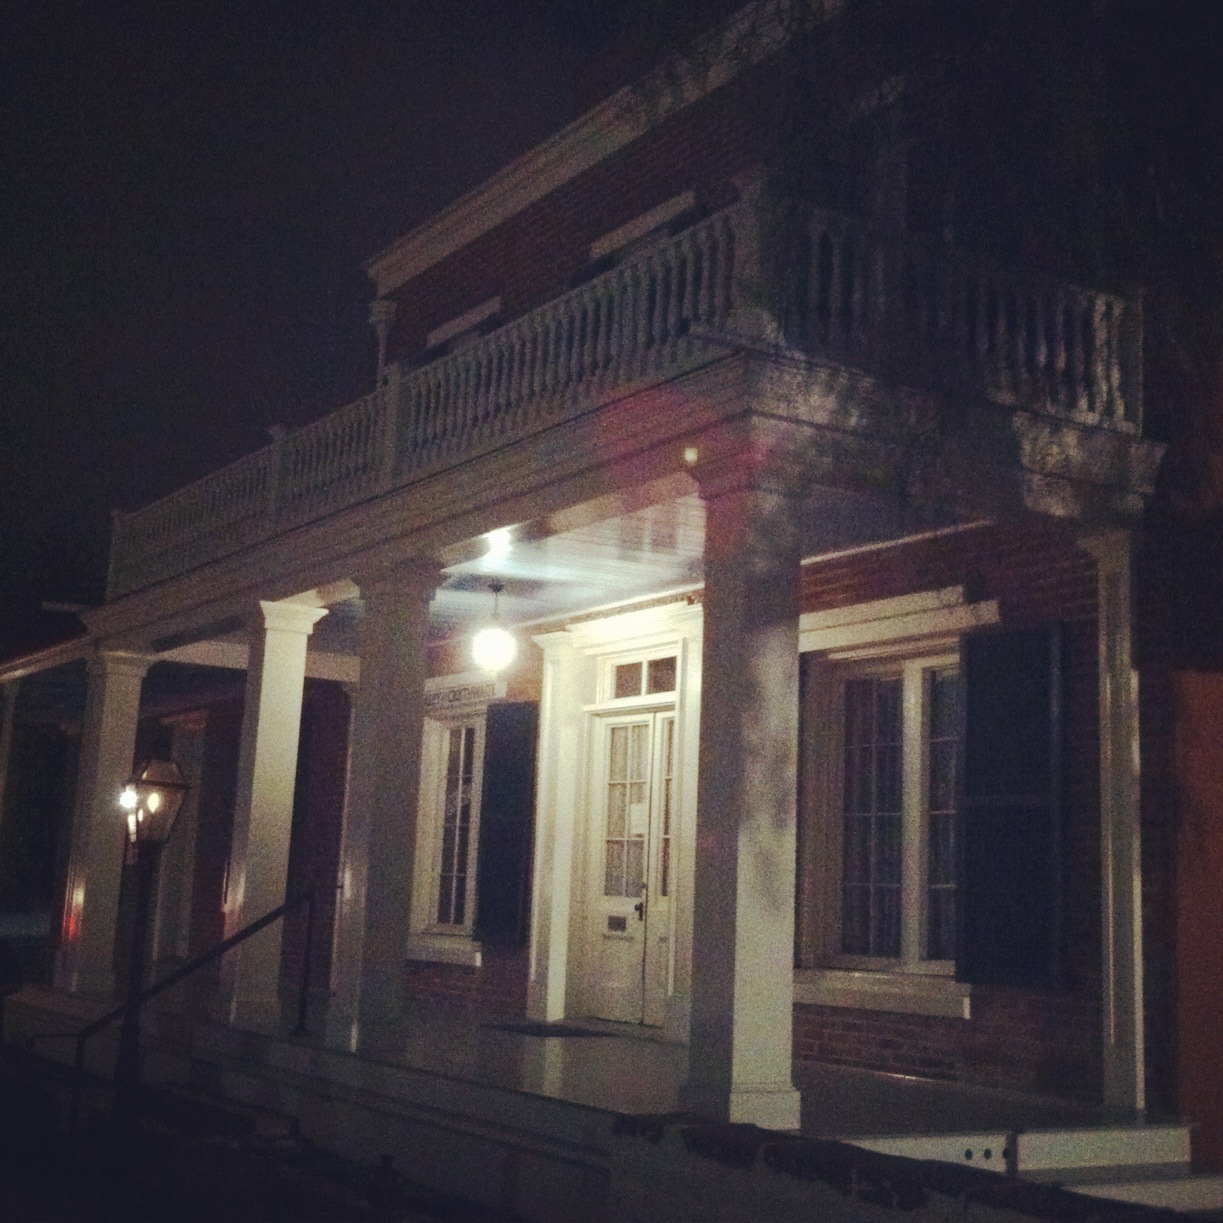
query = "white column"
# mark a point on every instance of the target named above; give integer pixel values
(377, 854)
(263, 805)
(1120, 827)
(560, 717)
(739, 1066)
(8, 717)
(85, 960)
(176, 869)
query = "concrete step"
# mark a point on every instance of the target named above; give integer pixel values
(1189, 1191)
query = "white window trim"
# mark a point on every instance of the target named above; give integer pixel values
(639, 226)
(449, 701)
(904, 993)
(463, 322)
(928, 623)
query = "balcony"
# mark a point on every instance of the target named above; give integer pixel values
(902, 310)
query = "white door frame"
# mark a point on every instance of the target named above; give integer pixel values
(577, 664)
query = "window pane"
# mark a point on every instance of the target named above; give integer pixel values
(945, 694)
(456, 826)
(628, 680)
(660, 675)
(872, 804)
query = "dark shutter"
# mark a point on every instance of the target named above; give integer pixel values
(507, 810)
(1010, 843)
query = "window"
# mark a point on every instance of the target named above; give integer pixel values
(470, 887)
(455, 868)
(885, 752)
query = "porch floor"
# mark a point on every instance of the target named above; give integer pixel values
(631, 1070)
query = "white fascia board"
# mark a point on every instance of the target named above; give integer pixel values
(235, 656)
(748, 37)
(47, 659)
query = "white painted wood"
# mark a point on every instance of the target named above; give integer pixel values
(743, 900)
(1102, 1147)
(263, 802)
(176, 867)
(84, 961)
(1120, 833)
(378, 844)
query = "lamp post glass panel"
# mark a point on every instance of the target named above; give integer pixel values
(149, 803)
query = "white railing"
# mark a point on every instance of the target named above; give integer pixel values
(925, 314)
(913, 312)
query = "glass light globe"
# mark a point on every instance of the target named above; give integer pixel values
(493, 648)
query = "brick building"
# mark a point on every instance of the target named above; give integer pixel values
(818, 542)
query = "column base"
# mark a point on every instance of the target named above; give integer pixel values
(770, 1107)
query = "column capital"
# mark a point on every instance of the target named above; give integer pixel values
(752, 454)
(118, 663)
(408, 579)
(1107, 546)
(284, 617)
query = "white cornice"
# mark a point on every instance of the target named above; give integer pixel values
(745, 39)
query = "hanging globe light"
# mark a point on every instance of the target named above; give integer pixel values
(494, 647)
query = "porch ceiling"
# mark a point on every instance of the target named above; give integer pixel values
(552, 571)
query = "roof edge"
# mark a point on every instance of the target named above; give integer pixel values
(744, 39)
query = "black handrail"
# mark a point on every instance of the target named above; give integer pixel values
(214, 953)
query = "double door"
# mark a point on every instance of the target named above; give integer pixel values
(632, 865)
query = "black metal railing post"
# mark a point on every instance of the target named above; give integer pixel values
(137, 1000)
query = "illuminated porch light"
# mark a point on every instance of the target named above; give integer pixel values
(494, 647)
(151, 800)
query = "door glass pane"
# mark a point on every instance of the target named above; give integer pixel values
(667, 789)
(871, 817)
(628, 808)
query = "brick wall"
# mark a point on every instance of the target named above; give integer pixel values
(534, 255)
(498, 986)
(1040, 1040)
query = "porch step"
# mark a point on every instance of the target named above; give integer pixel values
(988, 1149)
(1184, 1191)
(1102, 1147)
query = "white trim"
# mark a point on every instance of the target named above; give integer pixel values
(464, 322)
(445, 949)
(926, 615)
(906, 993)
(745, 39)
(638, 227)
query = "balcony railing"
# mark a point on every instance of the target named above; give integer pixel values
(912, 312)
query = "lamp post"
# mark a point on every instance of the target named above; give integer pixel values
(149, 802)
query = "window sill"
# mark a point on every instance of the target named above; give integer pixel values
(904, 993)
(445, 949)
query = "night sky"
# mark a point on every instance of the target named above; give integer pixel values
(187, 196)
